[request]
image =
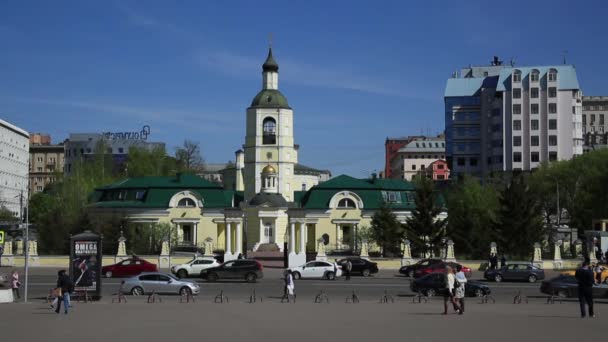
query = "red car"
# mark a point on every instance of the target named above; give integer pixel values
(441, 267)
(128, 267)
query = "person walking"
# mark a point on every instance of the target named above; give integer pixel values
(335, 269)
(584, 277)
(290, 285)
(459, 292)
(65, 285)
(15, 284)
(448, 296)
(349, 268)
(597, 270)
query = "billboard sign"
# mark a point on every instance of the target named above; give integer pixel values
(85, 263)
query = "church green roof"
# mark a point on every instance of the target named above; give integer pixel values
(270, 98)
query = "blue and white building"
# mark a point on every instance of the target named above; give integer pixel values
(504, 118)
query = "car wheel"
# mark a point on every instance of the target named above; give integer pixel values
(211, 277)
(251, 277)
(330, 276)
(410, 273)
(532, 278)
(297, 275)
(430, 292)
(366, 272)
(109, 274)
(185, 291)
(478, 293)
(182, 274)
(137, 291)
(498, 278)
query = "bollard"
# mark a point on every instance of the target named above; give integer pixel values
(153, 298)
(419, 297)
(486, 298)
(186, 298)
(120, 298)
(253, 298)
(321, 296)
(220, 298)
(83, 296)
(386, 298)
(353, 298)
(519, 298)
(555, 297)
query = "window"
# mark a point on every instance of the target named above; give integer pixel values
(516, 109)
(552, 156)
(517, 76)
(39, 188)
(534, 125)
(534, 93)
(186, 203)
(534, 141)
(303, 186)
(269, 127)
(534, 76)
(121, 150)
(534, 108)
(439, 166)
(552, 75)
(517, 140)
(440, 177)
(516, 157)
(552, 108)
(460, 161)
(601, 119)
(413, 166)
(516, 93)
(534, 157)
(346, 203)
(517, 125)
(552, 92)
(473, 161)
(573, 109)
(553, 124)
(422, 167)
(139, 195)
(553, 140)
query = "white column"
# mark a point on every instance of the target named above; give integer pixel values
(261, 230)
(302, 238)
(195, 237)
(228, 238)
(292, 238)
(239, 239)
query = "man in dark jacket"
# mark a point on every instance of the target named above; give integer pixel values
(584, 277)
(65, 284)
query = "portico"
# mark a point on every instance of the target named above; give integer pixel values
(346, 232)
(187, 230)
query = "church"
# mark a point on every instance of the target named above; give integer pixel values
(275, 205)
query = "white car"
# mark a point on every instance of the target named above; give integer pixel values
(194, 267)
(317, 269)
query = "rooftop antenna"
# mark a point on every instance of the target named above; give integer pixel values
(512, 61)
(564, 55)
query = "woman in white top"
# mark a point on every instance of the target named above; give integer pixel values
(290, 286)
(449, 295)
(459, 292)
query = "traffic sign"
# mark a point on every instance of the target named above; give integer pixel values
(1, 237)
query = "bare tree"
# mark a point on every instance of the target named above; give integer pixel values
(189, 156)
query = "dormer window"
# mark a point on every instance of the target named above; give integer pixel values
(347, 203)
(186, 203)
(534, 76)
(552, 75)
(516, 76)
(269, 132)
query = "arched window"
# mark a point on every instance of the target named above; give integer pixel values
(552, 75)
(269, 131)
(534, 75)
(516, 76)
(186, 203)
(347, 203)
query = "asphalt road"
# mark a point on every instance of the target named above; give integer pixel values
(271, 286)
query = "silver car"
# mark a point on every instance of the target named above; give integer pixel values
(149, 282)
(3, 280)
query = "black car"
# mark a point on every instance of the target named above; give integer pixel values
(434, 284)
(360, 266)
(516, 271)
(245, 269)
(410, 270)
(566, 286)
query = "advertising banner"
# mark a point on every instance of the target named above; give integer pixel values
(85, 263)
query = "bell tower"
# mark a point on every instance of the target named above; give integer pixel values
(269, 137)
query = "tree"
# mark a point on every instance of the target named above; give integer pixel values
(364, 235)
(520, 223)
(386, 230)
(143, 162)
(424, 221)
(189, 156)
(472, 212)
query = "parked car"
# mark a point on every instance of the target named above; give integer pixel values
(3, 280)
(187, 251)
(604, 276)
(159, 283)
(566, 286)
(442, 267)
(245, 269)
(194, 267)
(316, 269)
(435, 284)
(128, 267)
(516, 271)
(410, 270)
(360, 266)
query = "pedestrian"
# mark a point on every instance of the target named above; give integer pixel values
(290, 285)
(64, 285)
(503, 261)
(459, 293)
(15, 284)
(584, 277)
(335, 268)
(349, 267)
(240, 256)
(597, 270)
(494, 261)
(448, 295)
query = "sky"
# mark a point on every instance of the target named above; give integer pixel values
(355, 72)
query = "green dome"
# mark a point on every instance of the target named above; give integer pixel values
(269, 98)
